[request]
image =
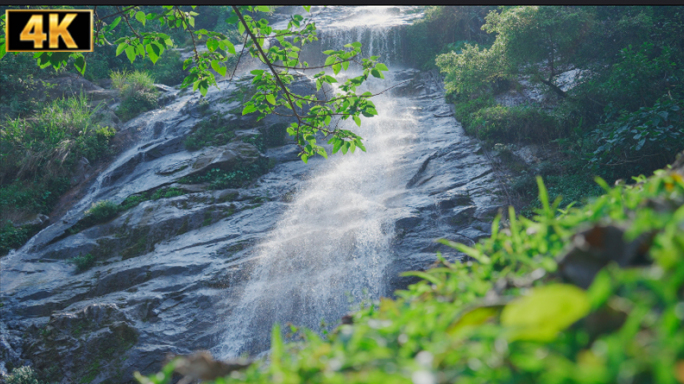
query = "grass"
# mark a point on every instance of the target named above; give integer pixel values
(138, 93)
(38, 156)
(514, 313)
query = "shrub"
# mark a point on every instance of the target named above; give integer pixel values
(138, 93)
(83, 263)
(54, 139)
(648, 138)
(465, 108)
(12, 237)
(513, 124)
(135, 80)
(23, 375)
(167, 193)
(102, 211)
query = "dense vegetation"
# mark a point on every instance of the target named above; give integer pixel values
(563, 297)
(608, 81)
(38, 156)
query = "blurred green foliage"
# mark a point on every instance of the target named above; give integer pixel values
(616, 114)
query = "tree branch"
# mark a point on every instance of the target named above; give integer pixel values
(270, 66)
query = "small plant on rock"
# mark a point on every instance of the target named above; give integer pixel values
(83, 262)
(138, 93)
(23, 375)
(102, 211)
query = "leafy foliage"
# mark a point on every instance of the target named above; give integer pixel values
(137, 92)
(273, 90)
(512, 124)
(50, 143)
(444, 29)
(12, 237)
(654, 131)
(508, 316)
(604, 114)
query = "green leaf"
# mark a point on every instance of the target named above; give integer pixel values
(257, 72)
(270, 99)
(262, 8)
(80, 64)
(121, 48)
(472, 252)
(601, 289)
(357, 120)
(381, 67)
(130, 52)
(114, 23)
(218, 68)
(249, 108)
(140, 16)
(336, 68)
(212, 44)
(307, 8)
(425, 276)
(337, 145)
(229, 47)
(151, 53)
(545, 312)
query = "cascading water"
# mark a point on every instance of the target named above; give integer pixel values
(332, 246)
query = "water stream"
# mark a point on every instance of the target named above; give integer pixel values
(331, 248)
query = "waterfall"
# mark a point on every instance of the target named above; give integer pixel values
(331, 247)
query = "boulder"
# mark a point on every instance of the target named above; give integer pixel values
(37, 219)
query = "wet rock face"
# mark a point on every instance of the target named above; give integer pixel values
(82, 345)
(166, 275)
(226, 158)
